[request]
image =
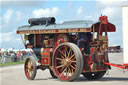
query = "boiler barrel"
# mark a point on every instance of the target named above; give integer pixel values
(37, 52)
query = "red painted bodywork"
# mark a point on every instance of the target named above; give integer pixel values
(103, 19)
(45, 61)
(110, 27)
(45, 56)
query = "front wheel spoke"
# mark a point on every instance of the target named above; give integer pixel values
(28, 70)
(31, 64)
(27, 66)
(32, 69)
(30, 73)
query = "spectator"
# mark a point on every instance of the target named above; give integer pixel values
(22, 56)
(3, 60)
(15, 57)
(12, 56)
(18, 56)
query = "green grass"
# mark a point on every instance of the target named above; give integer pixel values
(11, 63)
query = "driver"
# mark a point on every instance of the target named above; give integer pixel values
(83, 41)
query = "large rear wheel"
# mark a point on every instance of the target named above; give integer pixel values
(30, 68)
(52, 74)
(67, 62)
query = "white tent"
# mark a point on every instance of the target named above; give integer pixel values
(3, 50)
(125, 33)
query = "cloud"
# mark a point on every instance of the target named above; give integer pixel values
(10, 20)
(7, 16)
(6, 37)
(80, 10)
(10, 40)
(19, 15)
(105, 3)
(46, 12)
(89, 17)
(21, 3)
(112, 12)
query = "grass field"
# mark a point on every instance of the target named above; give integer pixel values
(11, 63)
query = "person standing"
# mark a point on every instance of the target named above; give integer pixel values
(21, 56)
(3, 60)
(15, 57)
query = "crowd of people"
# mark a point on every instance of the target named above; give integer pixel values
(14, 56)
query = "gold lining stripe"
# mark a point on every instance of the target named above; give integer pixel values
(50, 31)
(41, 51)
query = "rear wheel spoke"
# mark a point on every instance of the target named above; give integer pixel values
(66, 72)
(59, 59)
(69, 69)
(66, 51)
(72, 56)
(69, 52)
(72, 67)
(74, 62)
(62, 54)
(72, 72)
(60, 66)
(63, 71)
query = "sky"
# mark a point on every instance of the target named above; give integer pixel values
(15, 13)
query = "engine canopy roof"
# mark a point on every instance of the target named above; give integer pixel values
(65, 27)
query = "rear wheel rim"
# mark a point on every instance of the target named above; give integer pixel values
(65, 63)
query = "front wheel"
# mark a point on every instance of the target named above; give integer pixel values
(94, 75)
(67, 62)
(30, 68)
